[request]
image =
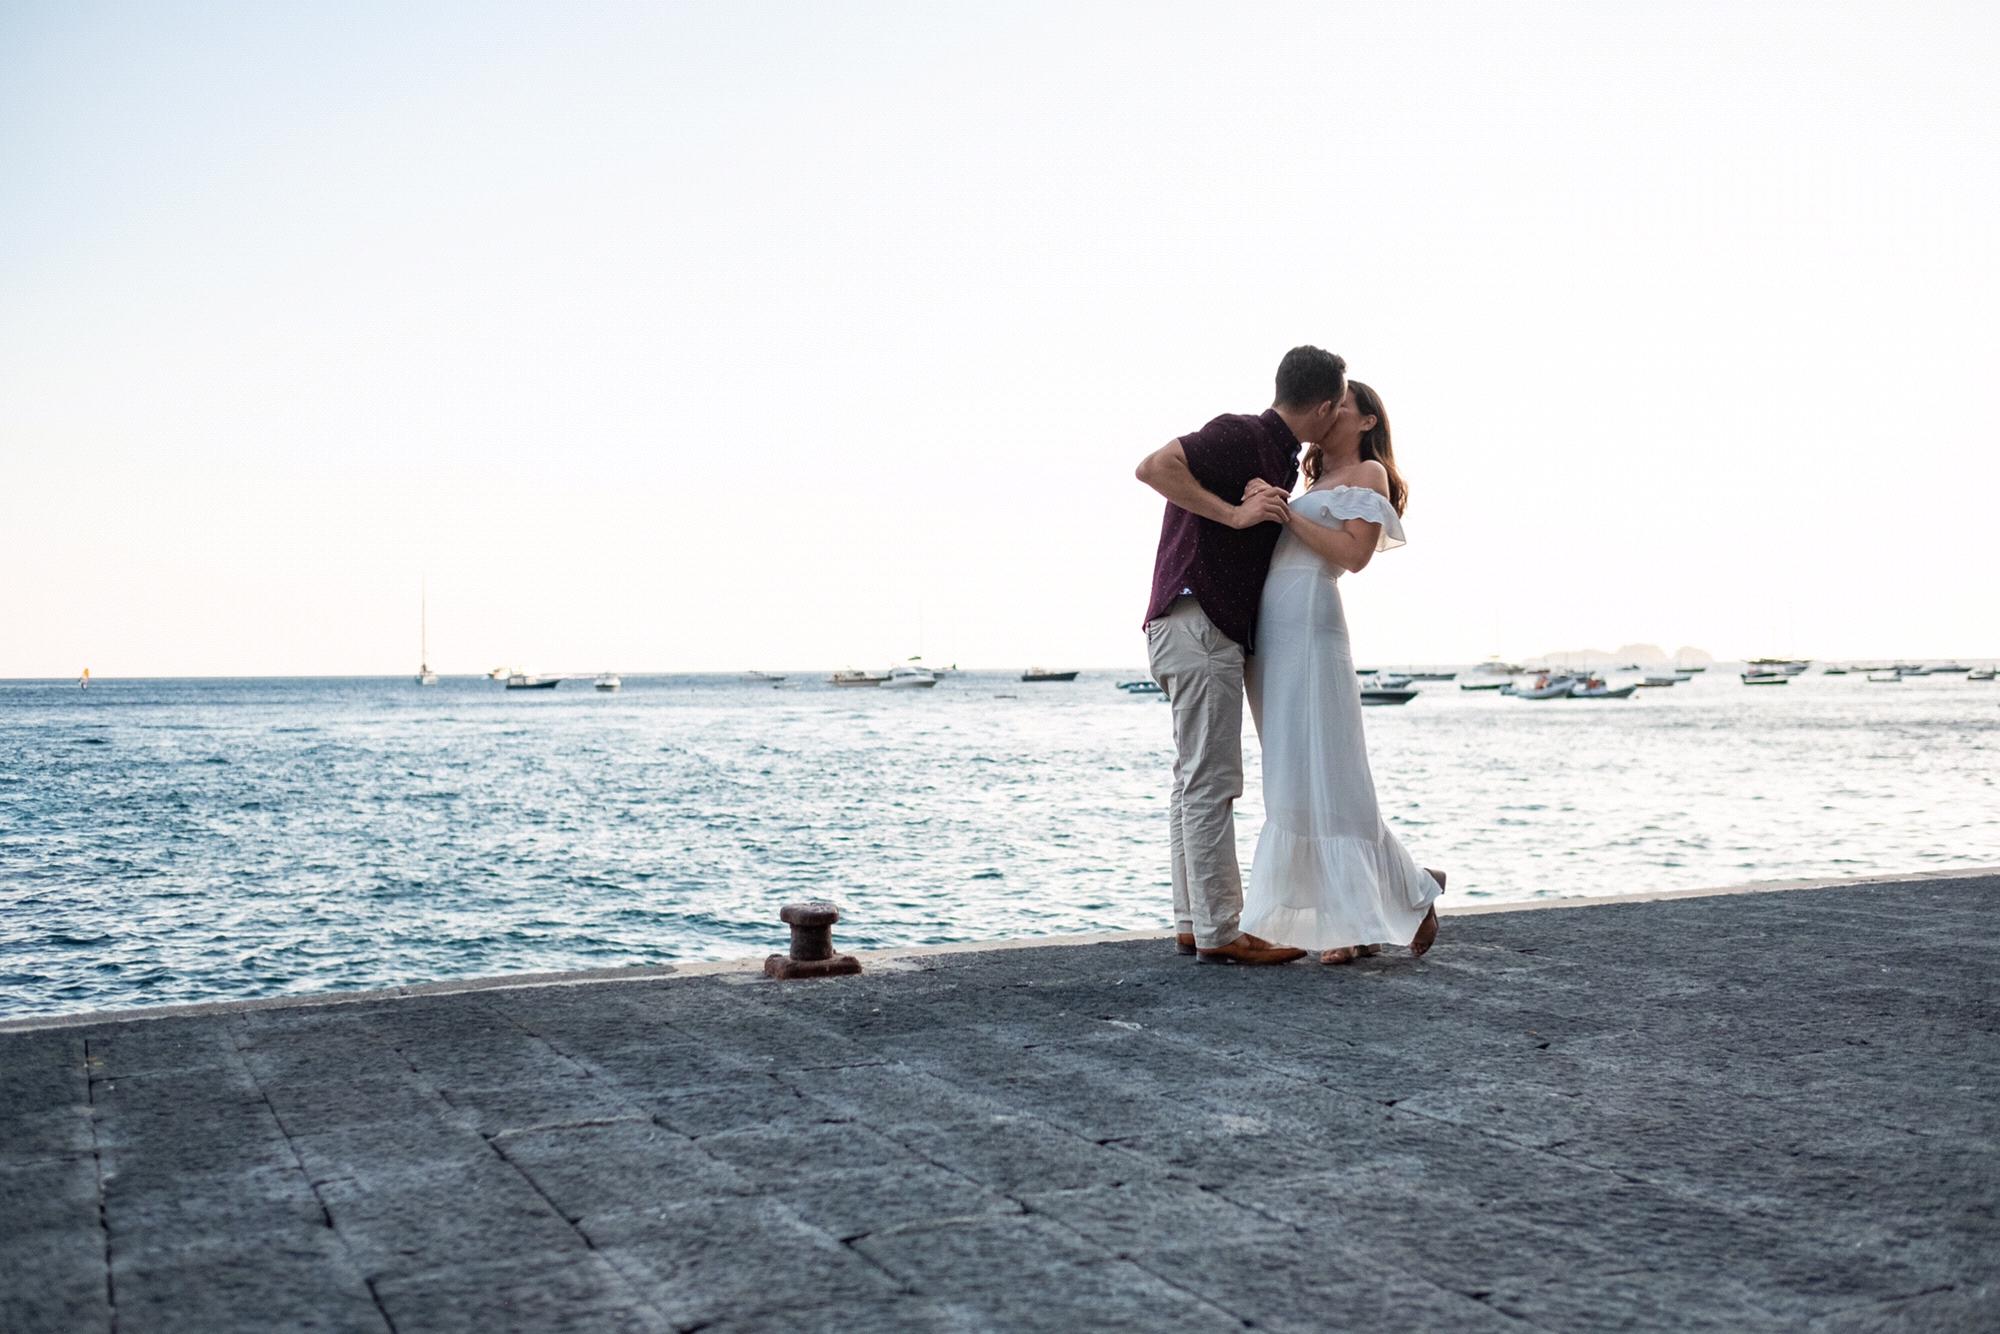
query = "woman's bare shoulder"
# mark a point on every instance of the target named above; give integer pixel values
(1369, 474)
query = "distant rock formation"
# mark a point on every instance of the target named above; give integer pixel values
(1645, 655)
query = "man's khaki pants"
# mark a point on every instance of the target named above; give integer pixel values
(1201, 669)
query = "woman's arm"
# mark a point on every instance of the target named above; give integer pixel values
(1350, 546)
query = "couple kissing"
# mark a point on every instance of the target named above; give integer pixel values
(1246, 601)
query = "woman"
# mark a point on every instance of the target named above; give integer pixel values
(1328, 874)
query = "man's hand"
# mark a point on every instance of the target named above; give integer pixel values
(1166, 471)
(1262, 503)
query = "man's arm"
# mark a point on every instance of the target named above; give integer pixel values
(1166, 471)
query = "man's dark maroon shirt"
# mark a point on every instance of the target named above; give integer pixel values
(1225, 566)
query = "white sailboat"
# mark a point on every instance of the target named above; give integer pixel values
(425, 676)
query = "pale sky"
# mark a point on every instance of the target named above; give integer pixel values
(716, 336)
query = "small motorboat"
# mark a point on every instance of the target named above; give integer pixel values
(857, 678)
(1432, 676)
(1950, 668)
(1777, 666)
(772, 677)
(1767, 678)
(908, 678)
(1976, 674)
(1594, 688)
(1834, 671)
(1388, 694)
(1141, 687)
(1545, 687)
(1886, 678)
(1043, 674)
(1482, 685)
(608, 681)
(522, 681)
(1655, 680)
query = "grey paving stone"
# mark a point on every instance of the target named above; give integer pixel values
(164, 1046)
(579, 1292)
(566, 1099)
(460, 1214)
(1157, 1216)
(742, 1102)
(849, 1203)
(1030, 1273)
(774, 1153)
(1317, 1284)
(1967, 1309)
(54, 1280)
(253, 1285)
(334, 1104)
(44, 1132)
(622, 1165)
(387, 1150)
(166, 1210)
(1016, 1153)
(712, 1259)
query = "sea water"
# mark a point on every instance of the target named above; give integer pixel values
(185, 840)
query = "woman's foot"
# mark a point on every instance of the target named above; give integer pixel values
(1427, 930)
(1345, 954)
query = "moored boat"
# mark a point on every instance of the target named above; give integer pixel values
(1388, 694)
(1592, 687)
(522, 681)
(1767, 678)
(425, 676)
(909, 678)
(851, 677)
(1044, 674)
(1482, 685)
(1545, 687)
(1141, 687)
(608, 681)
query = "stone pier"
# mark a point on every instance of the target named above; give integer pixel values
(1739, 1112)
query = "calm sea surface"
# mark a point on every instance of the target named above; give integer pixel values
(191, 840)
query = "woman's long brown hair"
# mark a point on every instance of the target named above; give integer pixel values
(1375, 445)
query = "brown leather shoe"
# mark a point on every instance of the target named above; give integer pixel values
(1248, 949)
(1183, 942)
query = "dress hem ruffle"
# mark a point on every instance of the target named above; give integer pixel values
(1324, 891)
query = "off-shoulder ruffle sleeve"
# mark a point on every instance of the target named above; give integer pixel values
(1337, 504)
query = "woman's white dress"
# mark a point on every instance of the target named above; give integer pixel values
(1327, 871)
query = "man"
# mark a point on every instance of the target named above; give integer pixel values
(1207, 579)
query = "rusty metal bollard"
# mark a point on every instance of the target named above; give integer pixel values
(812, 944)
